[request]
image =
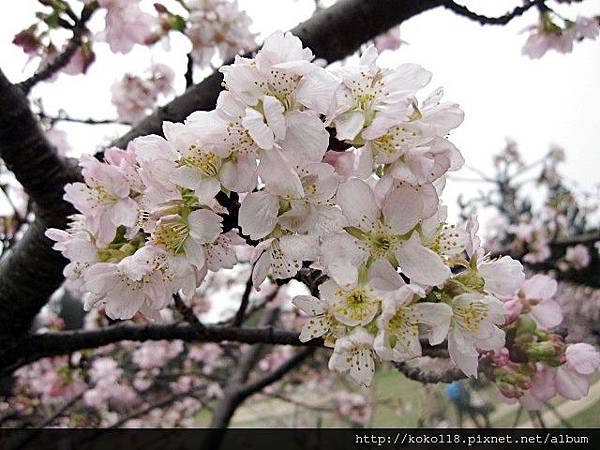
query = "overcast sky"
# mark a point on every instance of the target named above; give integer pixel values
(504, 94)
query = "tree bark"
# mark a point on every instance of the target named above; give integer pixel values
(33, 271)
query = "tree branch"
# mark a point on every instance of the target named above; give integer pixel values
(33, 271)
(188, 314)
(159, 404)
(241, 312)
(88, 121)
(79, 30)
(485, 20)
(34, 347)
(422, 376)
(232, 395)
(587, 276)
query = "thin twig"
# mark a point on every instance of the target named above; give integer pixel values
(485, 20)
(79, 30)
(518, 417)
(88, 121)
(189, 72)
(60, 411)
(241, 312)
(188, 314)
(160, 404)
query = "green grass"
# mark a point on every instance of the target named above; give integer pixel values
(588, 418)
(400, 402)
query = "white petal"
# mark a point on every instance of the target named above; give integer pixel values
(341, 256)
(362, 367)
(421, 264)
(205, 225)
(309, 304)
(383, 276)
(358, 203)
(274, 115)
(348, 125)
(258, 214)
(403, 209)
(125, 212)
(194, 253)
(279, 176)
(254, 122)
(571, 384)
(503, 277)
(463, 354)
(261, 267)
(306, 138)
(317, 90)
(437, 316)
(313, 328)
(539, 287)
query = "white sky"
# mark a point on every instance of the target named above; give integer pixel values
(504, 94)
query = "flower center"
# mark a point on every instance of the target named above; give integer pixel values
(172, 235)
(355, 304)
(207, 163)
(99, 196)
(470, 317)
(403, 324)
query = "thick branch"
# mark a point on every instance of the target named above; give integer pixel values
(32, 348)
(33, 271)
(35, 347)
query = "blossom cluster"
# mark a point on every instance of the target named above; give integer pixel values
(134, 96)
(155, 218)
(210, 25)
(547, 34)
(218, 26)
(520, 226)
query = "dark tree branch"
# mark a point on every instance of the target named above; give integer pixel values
(241, 312)
(485, 20)
(79, 30)
(423, 376)
(60, 411)
(159, 404)
(189, 71)
(188, 314)
(88, 121)
(232, 395)
(34, 347)
(587, 276)
(277, 374)
(239, 388)
(33, 271)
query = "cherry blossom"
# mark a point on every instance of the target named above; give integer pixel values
(255, 181)
(126, 24)
(218, 26)
(353, 354)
